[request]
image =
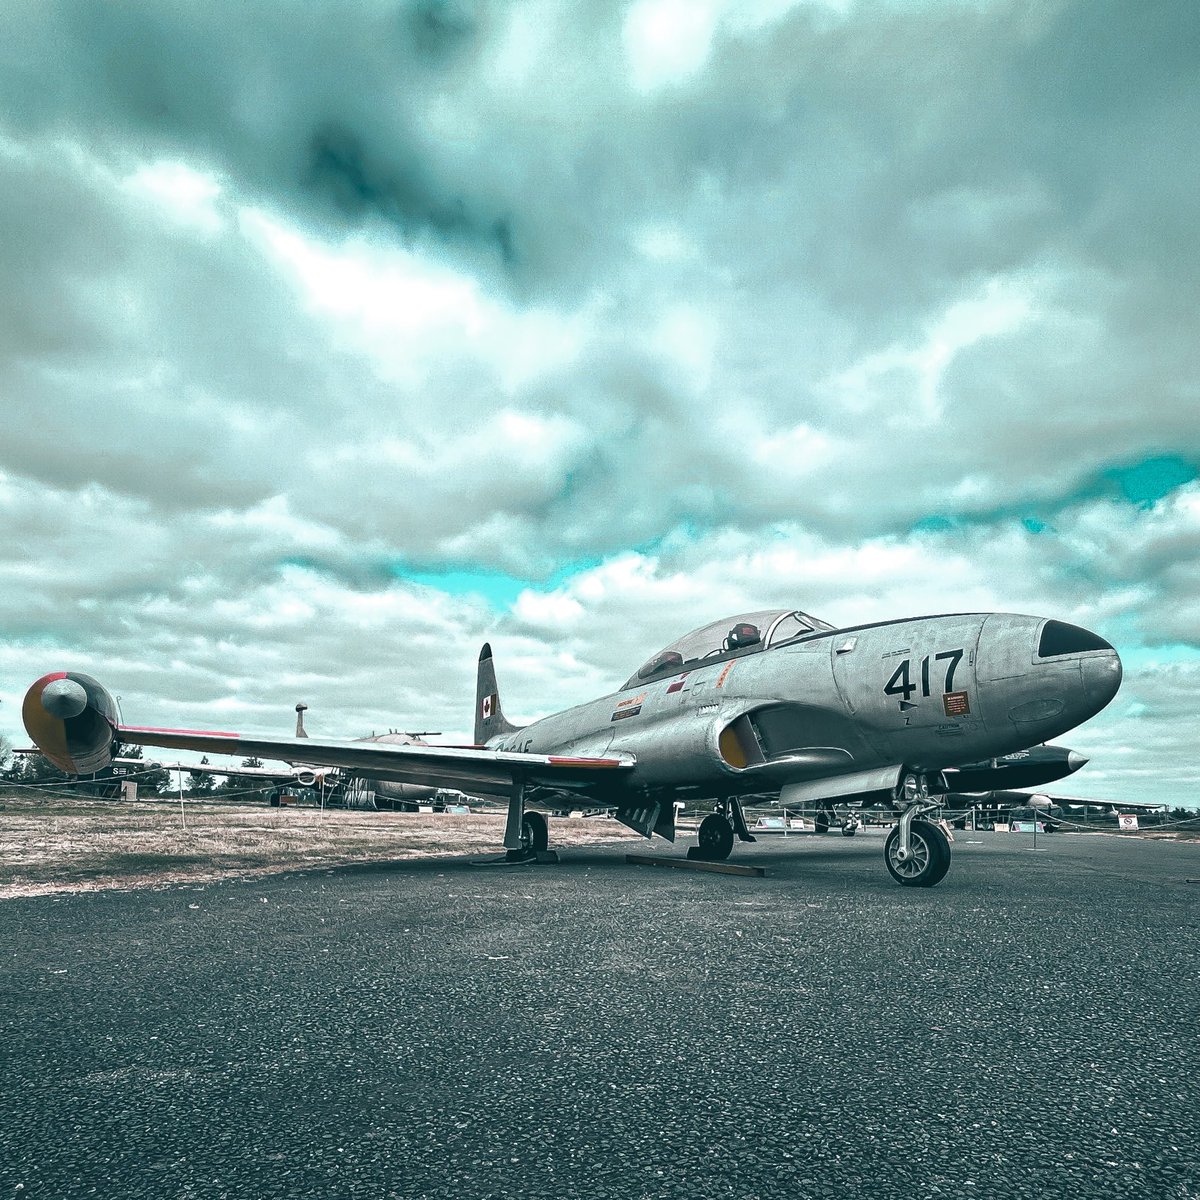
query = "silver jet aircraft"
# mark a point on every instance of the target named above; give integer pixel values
(765, 702)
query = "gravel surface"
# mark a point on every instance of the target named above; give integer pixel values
(592, 1029)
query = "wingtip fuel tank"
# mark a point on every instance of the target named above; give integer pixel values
(72, 719)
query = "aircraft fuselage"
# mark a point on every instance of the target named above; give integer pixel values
(924, 693)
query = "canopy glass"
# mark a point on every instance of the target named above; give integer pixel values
(731, 637)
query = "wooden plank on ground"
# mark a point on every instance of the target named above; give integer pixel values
(695, 864)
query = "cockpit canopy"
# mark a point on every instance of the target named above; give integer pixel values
(731, 637)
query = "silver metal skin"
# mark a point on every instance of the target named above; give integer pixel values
(774, 702)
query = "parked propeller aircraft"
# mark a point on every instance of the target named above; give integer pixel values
(770, 701)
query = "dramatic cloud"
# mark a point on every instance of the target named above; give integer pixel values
(336, 338)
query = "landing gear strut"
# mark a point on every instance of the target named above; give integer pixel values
(715, 839)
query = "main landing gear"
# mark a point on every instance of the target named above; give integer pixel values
(715, 840)
(526, 834)
(917, 852)
(535, 833)
(826, 818)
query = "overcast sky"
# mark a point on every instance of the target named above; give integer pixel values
(336, 338)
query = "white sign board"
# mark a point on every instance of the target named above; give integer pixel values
(1127, 821)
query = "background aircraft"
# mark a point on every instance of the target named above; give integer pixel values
(338, 785)
(969, 783)
(991, 807)
(766, 701)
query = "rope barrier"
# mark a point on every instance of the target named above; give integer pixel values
(1180, 823)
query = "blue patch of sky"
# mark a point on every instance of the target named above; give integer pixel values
(498, 588)
(935, 524)
(1146, 482)
(1135, 658)
(501, 590)
(1142, 483)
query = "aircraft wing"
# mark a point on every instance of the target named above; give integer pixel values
(468, 769)
(1112, 805)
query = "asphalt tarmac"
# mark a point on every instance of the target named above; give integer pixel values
(592, 1029)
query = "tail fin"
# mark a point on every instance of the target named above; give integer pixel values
(489, 717)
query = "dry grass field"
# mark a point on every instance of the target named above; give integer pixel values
(52, 843)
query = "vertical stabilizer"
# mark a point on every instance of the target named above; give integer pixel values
(489, 717)
(301, 709)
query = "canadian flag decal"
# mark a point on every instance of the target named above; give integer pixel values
(489, 706)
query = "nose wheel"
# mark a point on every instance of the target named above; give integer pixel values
(925, 860)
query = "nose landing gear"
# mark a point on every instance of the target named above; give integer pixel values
(917, 852)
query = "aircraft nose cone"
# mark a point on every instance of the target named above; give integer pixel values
(1075, 760)
(64, 699)
(1102, 677)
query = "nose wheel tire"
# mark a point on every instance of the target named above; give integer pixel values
(928, 859)
(715, 839)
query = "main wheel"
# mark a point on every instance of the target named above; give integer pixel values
(535, 833)
(928, 861)
(849, 828)
(821, 822)
(716, 837)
